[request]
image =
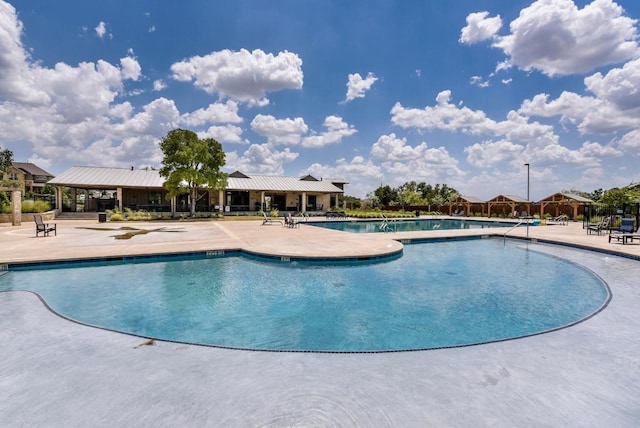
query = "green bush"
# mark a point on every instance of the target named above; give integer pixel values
(35, 207)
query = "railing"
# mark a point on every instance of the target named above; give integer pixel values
(386, 222)
(510, 229)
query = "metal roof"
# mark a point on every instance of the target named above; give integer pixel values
(104, 177)
(285, 184)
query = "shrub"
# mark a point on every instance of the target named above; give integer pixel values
(35, 207)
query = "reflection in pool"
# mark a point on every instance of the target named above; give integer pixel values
(441, 294)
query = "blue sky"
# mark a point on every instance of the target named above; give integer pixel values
(374, 92)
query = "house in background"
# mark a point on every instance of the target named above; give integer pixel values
(31, 177)
(94, 189)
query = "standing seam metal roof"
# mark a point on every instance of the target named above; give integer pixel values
(103, 177)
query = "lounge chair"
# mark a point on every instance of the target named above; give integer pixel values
(269, 220)
(599, 226)
(43, 227)
(561, 219)
(289, 221)
(625, 233)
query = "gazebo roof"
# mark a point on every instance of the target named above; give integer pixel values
(561, 197)
(468, 199)
(509, 199)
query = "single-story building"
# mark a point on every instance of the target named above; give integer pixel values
(93, 189)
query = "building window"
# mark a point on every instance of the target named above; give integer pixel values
(13, 176)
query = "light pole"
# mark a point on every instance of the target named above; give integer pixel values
(527, 165)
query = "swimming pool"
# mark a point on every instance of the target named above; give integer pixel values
(412, 225)
(443, 294)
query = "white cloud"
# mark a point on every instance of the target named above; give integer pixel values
(130, 68)
(224, 134)
(479, 82)
(243, 76)
(620, 86)
(159, 85)
(480, 27)
(214, 113)
(101, 29)
(362, 175)
(558, 38)
(630, 143)
(337, 129)
(260, 159)
(357, 86)
(420, 163)
(490, 153)
(279, 131)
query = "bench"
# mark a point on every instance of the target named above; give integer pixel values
(44, 228)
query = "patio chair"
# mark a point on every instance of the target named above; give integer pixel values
(289, 221)
(625, 233)
(269, 220)
(44, 228)
(599, 226)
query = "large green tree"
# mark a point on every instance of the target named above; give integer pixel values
(6, 159)
(191, 163)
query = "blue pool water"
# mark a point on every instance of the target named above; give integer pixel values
(413, 225)
(440, 294)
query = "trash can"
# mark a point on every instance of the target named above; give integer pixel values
(417, 213)
(102, 217)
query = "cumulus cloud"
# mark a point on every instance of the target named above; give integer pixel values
(224, 134)
(242, 75)
(490, 153)
(620, 86)
(357, 86)
(130, 68)
(159, 85)
(279, 131)
(630, 143)
(101, 29)
(558, 38)
(480, 27)
(260, 159)
(337, 129)
(421, 163)
(214, 113)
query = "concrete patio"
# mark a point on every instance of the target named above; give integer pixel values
(58, 373)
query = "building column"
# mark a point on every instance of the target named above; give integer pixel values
(304, 202)
(119, 196)
(337, 200)
(16, 207)
(262, 207)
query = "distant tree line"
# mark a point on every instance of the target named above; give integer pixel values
(411, 194)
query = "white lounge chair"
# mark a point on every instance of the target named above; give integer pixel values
(269, 220)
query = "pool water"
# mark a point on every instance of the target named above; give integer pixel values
(403, 225)
(440, 294)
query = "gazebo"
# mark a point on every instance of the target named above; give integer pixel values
(515, 203)
(470, 204)
(563, 203)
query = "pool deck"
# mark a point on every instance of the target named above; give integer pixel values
(54, 372)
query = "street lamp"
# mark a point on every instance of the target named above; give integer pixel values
(527, 165)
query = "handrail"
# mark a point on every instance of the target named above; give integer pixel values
(505, 234)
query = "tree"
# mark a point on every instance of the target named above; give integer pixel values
(190, 163)
(6, 160)
(615, 197)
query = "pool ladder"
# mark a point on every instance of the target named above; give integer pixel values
(510, 229)
(386, 222)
